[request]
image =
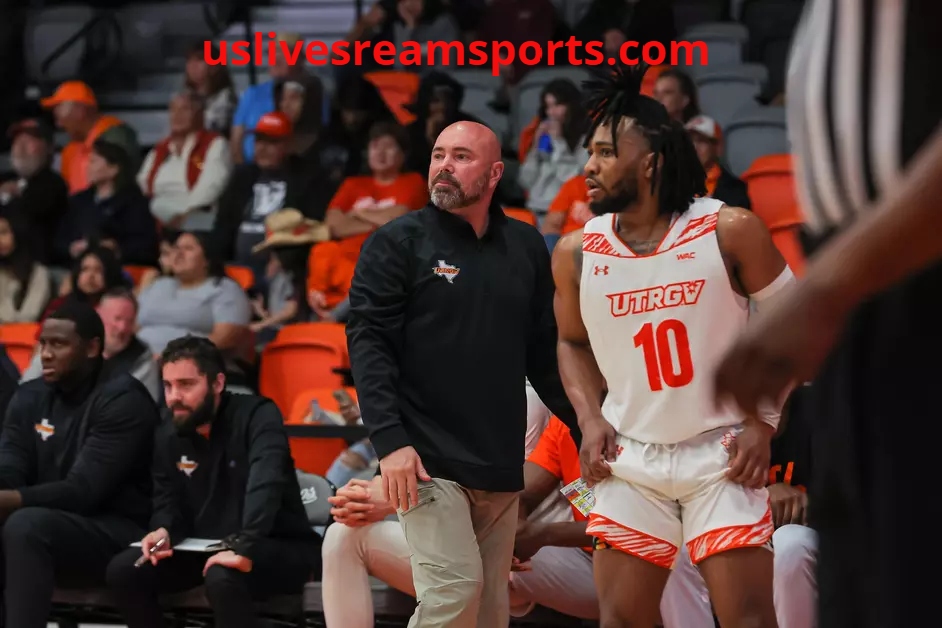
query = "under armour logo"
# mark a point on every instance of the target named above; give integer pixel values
(600, 270)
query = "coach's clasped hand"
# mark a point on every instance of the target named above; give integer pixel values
(749, 454)
(400, 471)
(599, 447)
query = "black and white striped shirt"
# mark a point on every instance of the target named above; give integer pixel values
(864, 94)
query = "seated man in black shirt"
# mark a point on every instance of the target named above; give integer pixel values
(794, 543)
(222, 470)
(74, 473)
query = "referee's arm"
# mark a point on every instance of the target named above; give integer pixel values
(378, 296)
(542, 364)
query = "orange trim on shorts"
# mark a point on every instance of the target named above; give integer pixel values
(644, 546)
(730, 538)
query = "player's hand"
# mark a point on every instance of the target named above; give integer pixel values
(781, 347)
(400, 470)
(789, 505)
(749, 454)
(149, 541)
(598, 449)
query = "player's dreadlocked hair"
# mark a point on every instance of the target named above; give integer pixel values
(618, 96)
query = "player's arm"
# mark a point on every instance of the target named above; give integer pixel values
(759, 268)
(746, 242)
(580, 372)
(898, 237)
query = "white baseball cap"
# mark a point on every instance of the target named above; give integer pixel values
(706, 126)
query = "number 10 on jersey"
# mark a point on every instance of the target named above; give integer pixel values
(666, 349)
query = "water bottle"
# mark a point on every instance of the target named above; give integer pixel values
(546, 144)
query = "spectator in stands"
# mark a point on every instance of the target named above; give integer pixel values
(399, 21)
(213, 83)
(122, 352)
(37, 193)
(275, 181)
(259, 100)
(615, 22)
(222, 471)
(517, 22)
(111, 213)
(288, 240)
(74, 468)
(568, 211)
(558, 153)
(721, 184)
(76, 111)
(677, 92)
(358, 460)
(303, 103)
(168, 237)
(358, 106)
(9, 382)
(185, 174)
(198, 299)
(795, 543)
(437, 105)
(360, 206)
(95, 272)
(25, 284)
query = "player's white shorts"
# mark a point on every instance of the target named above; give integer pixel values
(660, 496)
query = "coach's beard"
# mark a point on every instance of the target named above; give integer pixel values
(451, 198)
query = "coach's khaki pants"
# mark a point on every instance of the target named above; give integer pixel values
(461, 541)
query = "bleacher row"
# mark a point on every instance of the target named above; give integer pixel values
(154, 37)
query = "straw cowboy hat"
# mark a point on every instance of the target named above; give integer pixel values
(288, 227)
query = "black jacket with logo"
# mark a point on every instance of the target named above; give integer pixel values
(85, 452)
(238, 485)
(444, 330)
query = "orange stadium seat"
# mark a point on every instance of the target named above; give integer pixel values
(242, 275)
(398, 89)
(771, 184)
(315, 455)
(287, 368)
(19, 339)
(136, 272)
(523, 215)
(329, 333)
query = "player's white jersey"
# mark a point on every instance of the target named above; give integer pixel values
(659, 324)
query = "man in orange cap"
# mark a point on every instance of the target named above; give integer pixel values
(76, 111)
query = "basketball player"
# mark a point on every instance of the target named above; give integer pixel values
(864, 323)
(649, 294)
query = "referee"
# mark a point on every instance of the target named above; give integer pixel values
(451, 312)
(864, 322)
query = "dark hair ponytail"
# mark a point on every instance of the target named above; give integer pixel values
(682, 177)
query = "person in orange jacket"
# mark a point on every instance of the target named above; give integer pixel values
(76, 112)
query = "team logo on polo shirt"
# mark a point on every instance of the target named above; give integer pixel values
(446, 270)
(45, 429)
(187, 466)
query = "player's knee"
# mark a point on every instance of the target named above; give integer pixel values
(340, 542)
(794, 547)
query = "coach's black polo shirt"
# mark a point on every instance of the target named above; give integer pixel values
(444, 328)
